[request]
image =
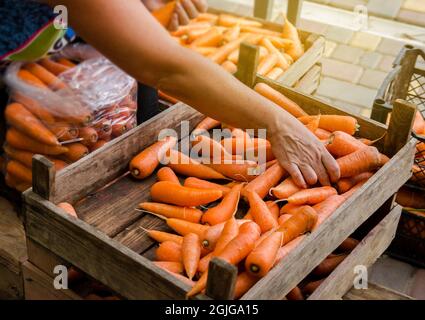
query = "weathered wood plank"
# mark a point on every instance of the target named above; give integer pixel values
(80, 244)
(248, 64)
(102, 166)
(310, 81)
(263, 9)
(44, 175)
(366, 253)
(221, 280)
(375, 292)
(318, 245)
(294, 11)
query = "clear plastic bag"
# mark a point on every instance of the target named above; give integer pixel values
(76, 103)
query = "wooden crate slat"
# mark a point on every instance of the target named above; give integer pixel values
(375, 292)
(94, 253)
(318, 245)
(100, 167)
(366, 253)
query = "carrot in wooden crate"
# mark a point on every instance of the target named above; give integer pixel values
(169, 251)
(166, 174)
(300, 223)
(312, 196)
(169, 211)
(19, 171)
(334, 123)
(244, 283)
(341, 144)
(327, 208)
(261, 212)
(364, 160)
(76, 151)
(184, 227)
(196, 183)
(346, 184)
(171, 266)
(191, 254)
(160, 236)
(68, 208)
(296, 50)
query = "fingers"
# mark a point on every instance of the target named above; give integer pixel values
(174, 23)
(331, 166)
(296, 175)
(322, 175)
(190, 8)
(309, 174)
(183, 16)
(201, 5)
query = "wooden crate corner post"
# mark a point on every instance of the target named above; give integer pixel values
(44, 175)
(263, 9)
(248, 64)
(221, 280)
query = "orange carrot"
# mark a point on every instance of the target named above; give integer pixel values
(191, 254)
(33, 106)
(328, 265)
(296, 50)
(21, 156)
(211, 148)
(300, 223)
(261, 213)
(31, 79)
(322, 134)
(242, 172)
(364, 160)
(76, 151)
(230, 231)
(313, 125)
(278, 98)
(145, 163)
(353, 190)
(68, 208)
(169, 251)
(287, 248)
(203, 184)
(174, 267)
(211, 235)
(21, 141)
(267, 64)
(188, 214)
(290, 208)
(286, 189)
(223, 52)
(167, 97)
(295, 294)
(172, 193)
(211, 38)
(66, 62)
(419, 123)
(207, 124)
(334, 123)
(263, 183)
(225, 210)
(346, 184)
(227, 20)
(261, 259)
(166, 174)
(204, 263)
(342, 144)
(312, 196)
(327, 208)
(229, 67)
(15, 183)
(348, 245)
(275, 73)
(18, 116)
(232, 34)
(186, 166)
(53, 67)
(244, 282)
(274, 209)
(46, 76)
(99, 144)
(18, 170)
(282, 62)
(184, 227)
(283, 218)
(89, 136)
(64, 132)
(164, 14)
(161, 237)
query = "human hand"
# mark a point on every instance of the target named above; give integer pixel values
(301, 154)
(185, 10)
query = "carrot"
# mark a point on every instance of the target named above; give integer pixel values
(342, 144)
(183, 227)
(232, 34)
(210, 148)
(263, 183)
(166, 174)
(173, 267)
(227, 20)
(53, 67)
(203, 184)
(313, 125)
(328, 265)
(66, 62)
(311, 287)
(89, 136)
(260, 212)
(244, 282)
(16, 183)
(205, 51)
(419, 123)
(278, 98)
(68, 208)
(274, 209)
(211, 235)
(282, 62)
(290, 208)
(410, 198)
(19, 171)
(64, 132)
(300, 223)
(334, 123)
(99, 144)
(322, 134)
(169, 251)
(205, 16)
(211, 38)
(145, 163)
(186, 166)
(296, 50)
(287, 248)
(184, 30)
(286, 189)
(21, 156)
(283, 218)
(346, 184)
(275, 73)
(194, 34)
(161, 237)
(348, 245)
(327, 208)
(34, 107)
(46, 76)
(191, 254)
(204, 263)
(230, 231)
(18, 116)
(207, 124)
(223, 52)
(295, 294)
(18, 140)
(312, 196)
(364, 160)
(262, 258)
(229, 67)
(188, 214)
(242, 172)
(164, 14)
(31, 79)
(267, 64)
(76, 151)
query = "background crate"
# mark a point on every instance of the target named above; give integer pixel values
(407, 81)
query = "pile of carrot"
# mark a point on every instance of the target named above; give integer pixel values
(205, 210)
(34, 129)
(307, 286)
(218, 37)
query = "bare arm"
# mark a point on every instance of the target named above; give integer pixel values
(126, 33)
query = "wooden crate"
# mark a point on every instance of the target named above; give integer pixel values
(375, 292)
(109, 244)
